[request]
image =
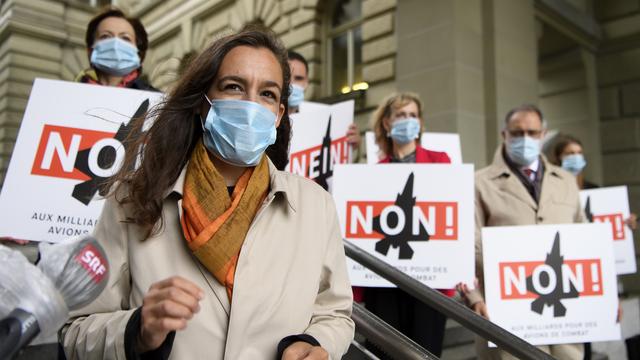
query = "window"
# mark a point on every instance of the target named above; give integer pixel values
(344, 48)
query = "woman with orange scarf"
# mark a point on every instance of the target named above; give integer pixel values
(215, 253)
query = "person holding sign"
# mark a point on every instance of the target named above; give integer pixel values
(521, 187)
(570, 155)
(299, 80)
(398, 124)
(299, 83)
(116, 45)
(216, 253)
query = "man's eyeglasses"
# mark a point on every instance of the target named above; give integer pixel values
(521, 133)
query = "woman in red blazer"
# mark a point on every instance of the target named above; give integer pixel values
(398, 125)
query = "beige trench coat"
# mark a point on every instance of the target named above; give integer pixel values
(501, 200)
(291, 278)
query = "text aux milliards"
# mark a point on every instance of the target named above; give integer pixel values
(64, 219)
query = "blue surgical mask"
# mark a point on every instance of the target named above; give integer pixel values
(115, 56)
(404, 131)
(574, 163)
(523, 150)
(238, 132)
(296, 95)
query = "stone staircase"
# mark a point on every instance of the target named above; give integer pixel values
(458, 342)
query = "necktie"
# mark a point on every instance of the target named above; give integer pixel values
(529, 173)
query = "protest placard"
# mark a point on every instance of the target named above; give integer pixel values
(443, 142)
(611, 205)
(319, 140)
(69, 143)
(416, 217)
(551, 284)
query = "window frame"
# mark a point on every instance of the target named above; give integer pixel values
(331, 33)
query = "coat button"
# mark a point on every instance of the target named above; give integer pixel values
(540, 218)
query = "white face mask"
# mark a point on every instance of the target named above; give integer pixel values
(574, 163)
(523, 150)
(238, 132)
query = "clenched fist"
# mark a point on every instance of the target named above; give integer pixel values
(168, 306)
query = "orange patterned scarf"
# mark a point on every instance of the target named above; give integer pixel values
(214, 223)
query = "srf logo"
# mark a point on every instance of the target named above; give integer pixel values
(81, 154)
(397, 223)
(550, 281)
(616, 220)
(317, 162)
(93, 262)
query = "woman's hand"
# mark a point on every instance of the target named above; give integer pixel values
(479, 307)
(167, 307)
(300, 350)
(464, 290)
(353, 136)
(619, 312)
(632, 221)
(14, 240)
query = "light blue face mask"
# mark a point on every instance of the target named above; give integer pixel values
(296, 95)
(523, 150)
(238, 132)
(115, 56)
(404, 131)
(574, 163)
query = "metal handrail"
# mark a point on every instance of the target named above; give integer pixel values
(463, 315)
(386, 338)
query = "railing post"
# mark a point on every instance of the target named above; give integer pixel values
(386, 338)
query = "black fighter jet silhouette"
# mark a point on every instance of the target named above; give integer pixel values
(324, 162)
(85, 191)
(405, 201)
(587, 209)
(555, 261)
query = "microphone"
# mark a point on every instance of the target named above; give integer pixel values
(78, 268)
(69, 275)
(29, 303)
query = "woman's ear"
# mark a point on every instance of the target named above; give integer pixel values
(386, 124)
(279, 115)
(204, 109)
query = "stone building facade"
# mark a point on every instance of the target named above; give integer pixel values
(469, 60)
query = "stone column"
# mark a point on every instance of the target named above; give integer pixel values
(594, 170)
(510, 63)
(39, 38)
(439, 57)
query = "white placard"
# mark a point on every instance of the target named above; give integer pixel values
(69, 141)
(552, 284)
(319, 140)
(611, 205)
(416, 217)
(444, 142)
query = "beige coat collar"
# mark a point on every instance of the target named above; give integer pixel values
(278, 184)
(499, 171)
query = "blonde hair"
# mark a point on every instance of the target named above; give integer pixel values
(392, 102)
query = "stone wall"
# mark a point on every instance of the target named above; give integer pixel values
(177, 27)
(38, 38)
(378, 54)
(618, 66)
